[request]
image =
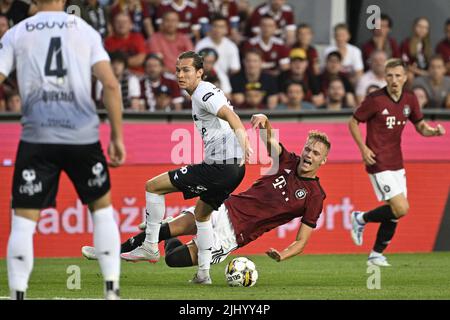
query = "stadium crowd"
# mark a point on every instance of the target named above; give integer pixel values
(260, 57)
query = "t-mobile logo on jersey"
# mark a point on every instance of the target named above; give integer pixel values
(390, 122)
(280, 183)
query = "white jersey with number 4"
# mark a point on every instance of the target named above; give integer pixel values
(53, 53)
(219, 139)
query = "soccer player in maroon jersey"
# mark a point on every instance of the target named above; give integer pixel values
(386, 112)
(293, 190)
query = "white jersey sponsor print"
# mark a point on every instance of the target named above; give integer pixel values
(53, 53)
(219, 139)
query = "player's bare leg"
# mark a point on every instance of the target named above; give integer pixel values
(107, 244)
(205, 239)
(155, 188)
(20, 251)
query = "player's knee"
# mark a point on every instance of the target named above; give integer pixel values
(152, 186)
(400, 210)
(179, 257)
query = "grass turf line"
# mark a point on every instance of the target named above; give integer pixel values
(412, 276)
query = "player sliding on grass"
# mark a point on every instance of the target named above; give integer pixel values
(273, 200)
(386, 112)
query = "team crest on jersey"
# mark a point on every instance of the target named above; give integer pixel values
(386, 188)
(301, 193)
(406, 111)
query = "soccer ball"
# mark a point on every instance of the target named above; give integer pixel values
(241, 272)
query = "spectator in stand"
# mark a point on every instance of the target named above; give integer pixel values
(17, 10)
(416, 50)
(163, 99)
(295, 92)
(282, 13)
(214, 74)
(298, 72)
(275, 52)
(304, 39)
(188, 14)
(333, 67)
(422, 97)
(4, 25)
(253, 73)
(336, 96)
(210, 8)
(229, 62)
(140, 13)
(443, 47)
(130, 43)
(375, 76)
(245, 10)
(154, 78)
(168, 42)
(352, 63)
(129, 84)
(94, 13)
(254, 97)
(372, 88)
(13, 102)
(381, 41)
(436, 84)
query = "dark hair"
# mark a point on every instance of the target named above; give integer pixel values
(447, 22)
(336, 54)
(385, 17)
(154, 56)
(392, 63)
(198, 59)
(218, 17)
(304, 26)
(299, 83)
(208, 52)
(254, 51)
(334, 79)
(119, 56)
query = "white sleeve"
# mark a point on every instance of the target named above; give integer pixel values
(98, 52)
(224, 81)
(358, 60)
(235, 61)
(212, 101)
(7, 60)
(134, 88)
(361, 87)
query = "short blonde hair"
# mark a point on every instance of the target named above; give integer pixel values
(321, 137)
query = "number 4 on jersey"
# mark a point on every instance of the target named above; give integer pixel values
(54, 50)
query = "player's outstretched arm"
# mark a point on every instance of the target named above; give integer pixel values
(426, 130)
(225, 113)
(113, 102)
(295, 248)
(266, 133)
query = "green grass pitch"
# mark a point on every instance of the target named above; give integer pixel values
(412, 276)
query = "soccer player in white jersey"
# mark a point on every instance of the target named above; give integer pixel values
(54, 54)
(227, 149)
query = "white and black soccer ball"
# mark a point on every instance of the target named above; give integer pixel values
(241, 272)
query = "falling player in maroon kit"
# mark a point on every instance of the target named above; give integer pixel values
(386, 112)
(293, 190)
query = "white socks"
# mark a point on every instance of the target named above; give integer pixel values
(20, 254)
(107, 244)
(156, 208)
(205, 240)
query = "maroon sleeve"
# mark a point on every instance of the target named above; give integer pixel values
(289, 18)
(313, 210)
(366, 110)
(286, 157)
(416, 114)
(395, 48)
(404, 51)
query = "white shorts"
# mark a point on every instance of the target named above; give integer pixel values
(387, 184)
(224, 236)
